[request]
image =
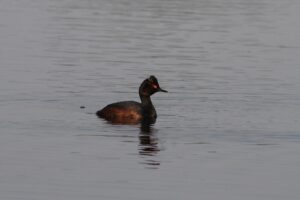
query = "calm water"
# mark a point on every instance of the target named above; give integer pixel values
(228, 128)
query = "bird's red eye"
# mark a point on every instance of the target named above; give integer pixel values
(155, 86)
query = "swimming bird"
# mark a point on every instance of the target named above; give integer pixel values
(132, 112)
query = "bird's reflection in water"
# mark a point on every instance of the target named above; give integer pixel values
(148, 147)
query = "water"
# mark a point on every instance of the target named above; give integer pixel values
(228, 128)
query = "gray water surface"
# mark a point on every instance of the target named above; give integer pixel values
(228, 128)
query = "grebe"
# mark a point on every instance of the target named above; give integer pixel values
(131, 112)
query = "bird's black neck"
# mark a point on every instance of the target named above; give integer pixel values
(148, 108)
(146, 101)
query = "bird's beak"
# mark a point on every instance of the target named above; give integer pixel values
(161, 90)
